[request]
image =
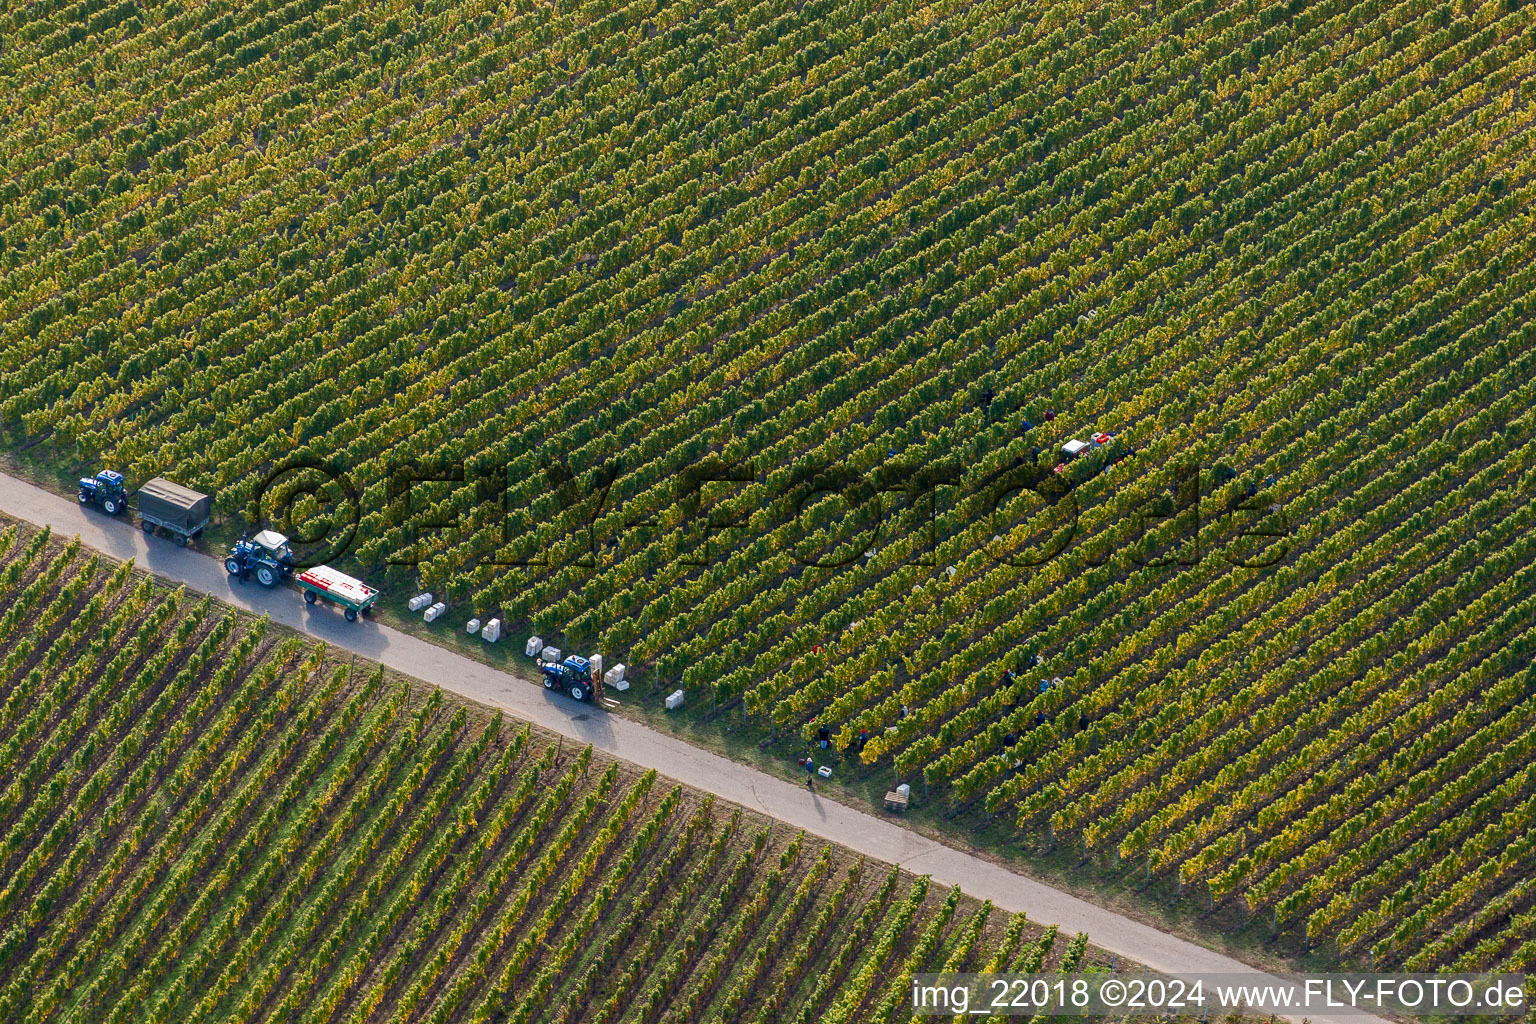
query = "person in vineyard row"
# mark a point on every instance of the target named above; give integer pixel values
(823, 736)
(1009, 742)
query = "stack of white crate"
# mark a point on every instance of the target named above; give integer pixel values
(435, 612)
(533, 647)
(614, 677)
(491, 631)
(419, 602)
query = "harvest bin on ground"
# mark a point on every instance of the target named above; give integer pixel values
(353, 595)
(178, 510)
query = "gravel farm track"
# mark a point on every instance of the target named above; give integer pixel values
(632, 741)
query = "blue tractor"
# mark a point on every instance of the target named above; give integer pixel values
(573, 675)
(265, 556)
(104, 489)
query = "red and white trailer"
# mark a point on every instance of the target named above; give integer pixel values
(354, 596)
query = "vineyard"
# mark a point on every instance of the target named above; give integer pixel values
(846, 275)
(205, 822)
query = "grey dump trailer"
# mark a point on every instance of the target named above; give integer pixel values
(179, 511)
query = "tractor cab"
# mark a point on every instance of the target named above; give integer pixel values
(1083, 460)
(573, 675)
(275, 545)
(1069, 451)
(266, 556)
(104, 489)
(1072, 449)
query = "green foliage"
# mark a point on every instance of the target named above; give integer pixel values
(1292, 238)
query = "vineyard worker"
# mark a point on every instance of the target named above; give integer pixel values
(810, 775)
(824, 736)
(1039, 718)
(863, 739)
(1082, 721)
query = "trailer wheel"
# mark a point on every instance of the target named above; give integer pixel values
(309, 597)
(351, 614)
(266, 575)
(181, 540)
(232, 567)
(149, 528)
(578, 691)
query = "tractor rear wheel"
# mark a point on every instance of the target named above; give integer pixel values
(578, 691)
(111, 506)
(266, 575)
